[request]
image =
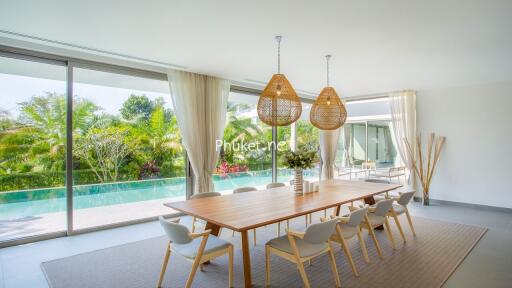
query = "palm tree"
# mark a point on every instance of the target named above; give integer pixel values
(164, 135)
(237, 129)
(38, 139)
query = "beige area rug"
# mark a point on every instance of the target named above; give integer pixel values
(426, 260)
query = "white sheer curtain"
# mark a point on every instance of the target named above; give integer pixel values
(403, 119)
(200, 104)
(328, 147)
(347, 138)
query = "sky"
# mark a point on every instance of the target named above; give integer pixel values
(15, 89)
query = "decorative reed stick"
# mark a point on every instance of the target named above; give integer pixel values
(425, 173)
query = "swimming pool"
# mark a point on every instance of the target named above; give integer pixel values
(27, 203)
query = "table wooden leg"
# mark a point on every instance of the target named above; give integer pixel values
(215, 231)
(338, 210)
(215, 228)
(246, 258)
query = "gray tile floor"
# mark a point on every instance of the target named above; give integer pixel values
(488, 265)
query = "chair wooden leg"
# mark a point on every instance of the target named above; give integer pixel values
(267, 265)
(410, 221)
(334, 268)
(390, 235)
(363, 247)
(254, 236)
(197, 262)
(164, 265)
(192, 273)
(303, 275)
(372, 234)
(193, 224)
(346, 249)
(399, 226)
(231, 273)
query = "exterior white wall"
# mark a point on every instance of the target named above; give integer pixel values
(476, 163)
(367, 109)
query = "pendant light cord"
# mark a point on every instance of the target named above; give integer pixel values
(278, 39)
(328, 57)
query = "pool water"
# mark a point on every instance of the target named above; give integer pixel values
(26, 203)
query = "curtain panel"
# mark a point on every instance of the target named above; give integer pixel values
(347, 139)
(328, 146)
(200, 105)
(403, 119)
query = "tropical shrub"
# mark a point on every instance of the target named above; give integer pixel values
(226, 168)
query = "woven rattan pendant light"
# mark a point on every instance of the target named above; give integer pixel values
(328, 112)
(279, 105)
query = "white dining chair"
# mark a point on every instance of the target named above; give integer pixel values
(377, 216)
(299, 247)
(401, 208)
(348, 227)
(245, 190)
(275, 185)
(404, 197)
(199, 196)
(194, 247)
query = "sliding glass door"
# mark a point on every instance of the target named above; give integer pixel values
(364, 141)
(381, 148)
(32, 148)
(127, 153)
(351, 150)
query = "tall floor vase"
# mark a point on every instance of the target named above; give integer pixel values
(297, 182)
(425, 168)
(426, 197)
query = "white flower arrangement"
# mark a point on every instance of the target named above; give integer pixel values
(301, 159)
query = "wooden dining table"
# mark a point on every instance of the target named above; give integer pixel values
(246, 211)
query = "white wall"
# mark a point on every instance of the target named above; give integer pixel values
(476, 163)
(368, 108)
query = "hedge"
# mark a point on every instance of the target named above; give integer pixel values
(48, 179)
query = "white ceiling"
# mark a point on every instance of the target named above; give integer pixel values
(377, 46)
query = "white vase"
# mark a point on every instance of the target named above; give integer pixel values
(297, 182)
